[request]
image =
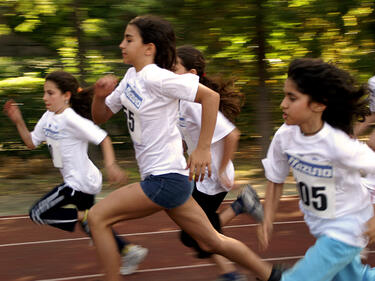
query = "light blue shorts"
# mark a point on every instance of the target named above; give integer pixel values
(330, 259)
(167, 190)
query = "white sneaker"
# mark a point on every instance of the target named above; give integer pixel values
(134, 255)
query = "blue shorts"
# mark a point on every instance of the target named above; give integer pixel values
(330, 259)
(167, 190)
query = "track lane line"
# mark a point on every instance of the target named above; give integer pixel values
(182, 267)
(133, 234)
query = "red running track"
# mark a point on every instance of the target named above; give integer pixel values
(32, 252)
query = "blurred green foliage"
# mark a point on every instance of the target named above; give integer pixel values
(252, 41)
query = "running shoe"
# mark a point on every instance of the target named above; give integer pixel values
(132, 256)
(277, 272)
(85, 224)
(234, 276)
(251, 203)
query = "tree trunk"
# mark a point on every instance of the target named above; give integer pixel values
(263, 101)
(81, 45)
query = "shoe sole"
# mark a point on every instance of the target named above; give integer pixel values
(132, 268)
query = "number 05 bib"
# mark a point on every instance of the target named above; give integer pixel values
(315, 184)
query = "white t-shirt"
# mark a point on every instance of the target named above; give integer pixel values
(369, 182)
(190, 127)
(327, 168)
(371, 87)
(149, 99)
(67, 136)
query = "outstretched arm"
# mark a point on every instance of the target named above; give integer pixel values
(114, 172)
(102, 88)
(15, 115)
(200, 158)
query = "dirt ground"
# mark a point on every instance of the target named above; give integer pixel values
(22, 181)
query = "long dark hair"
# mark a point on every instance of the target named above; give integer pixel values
(327, 84)
(231, 100)
(80, 99)
(159, 32)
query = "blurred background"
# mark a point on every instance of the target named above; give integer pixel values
(250, 41)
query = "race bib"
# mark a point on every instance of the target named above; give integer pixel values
(54, 149)
(134, 126)
(131, 102)
(315, 184)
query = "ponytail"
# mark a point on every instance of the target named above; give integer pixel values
(81, 102)
(231, 100)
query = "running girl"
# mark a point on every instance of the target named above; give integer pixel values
(149, 95)
(320, 104)
(211, 192)
(67, 135)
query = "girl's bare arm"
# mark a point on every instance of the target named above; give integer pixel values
(13, 112)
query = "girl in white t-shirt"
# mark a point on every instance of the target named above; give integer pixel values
(211, 192)
(67, 135)
(320, 104)
(149, 95)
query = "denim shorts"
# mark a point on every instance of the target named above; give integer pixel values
(167, 190)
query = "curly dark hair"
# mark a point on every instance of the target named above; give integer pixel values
(231, 100)
(159, 32)
(80, 99)
(327, 84)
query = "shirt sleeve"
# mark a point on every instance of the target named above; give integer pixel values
(223, 127)
(37, 135)
(183, 86)
(276, 163)
(353, 154)
(85, 129)
(113, 101)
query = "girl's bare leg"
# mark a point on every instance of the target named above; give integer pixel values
(128, 202)
(224, 265)
(226, 216)
(191, 218)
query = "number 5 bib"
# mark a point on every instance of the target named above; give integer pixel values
(316, 185)
(131, 103)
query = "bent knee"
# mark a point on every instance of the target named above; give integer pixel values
(94, 217)
(212, 244)
(35, 216)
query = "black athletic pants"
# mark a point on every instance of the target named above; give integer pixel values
(50, 209)
(209, 204)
